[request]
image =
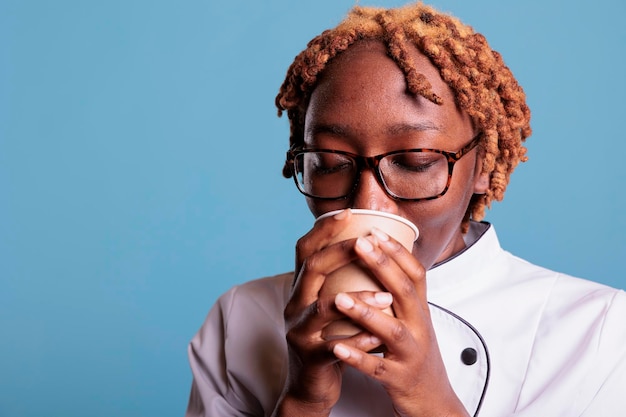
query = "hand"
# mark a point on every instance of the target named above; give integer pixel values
(411, 370)
(313, 384)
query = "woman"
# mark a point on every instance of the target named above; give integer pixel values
(475, 331)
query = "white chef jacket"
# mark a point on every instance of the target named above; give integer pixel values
(516, 340)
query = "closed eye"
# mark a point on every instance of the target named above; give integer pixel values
(415, 162)
(327, 163)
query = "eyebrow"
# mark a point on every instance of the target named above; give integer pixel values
(412, 127)
(396, 129)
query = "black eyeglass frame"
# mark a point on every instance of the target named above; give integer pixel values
(372, 162)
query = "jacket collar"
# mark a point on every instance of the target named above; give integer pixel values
(482, 246)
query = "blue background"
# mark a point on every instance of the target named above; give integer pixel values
(140, 175)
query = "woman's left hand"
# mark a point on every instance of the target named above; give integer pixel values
(411, 369)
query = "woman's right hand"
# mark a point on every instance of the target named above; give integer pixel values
(313, 384)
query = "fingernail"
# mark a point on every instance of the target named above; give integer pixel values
(375, 341)
(380, 235)
(341, 352)
(364, 244)
(384, 298)
(342, 214)
(344, 300)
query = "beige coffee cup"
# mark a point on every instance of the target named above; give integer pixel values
(354, 277)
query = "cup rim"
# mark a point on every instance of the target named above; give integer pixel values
(376, 213)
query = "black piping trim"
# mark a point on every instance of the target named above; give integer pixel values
(480, 337)
(466, 247)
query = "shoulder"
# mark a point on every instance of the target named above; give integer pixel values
(560, 290)
(247, 309)
(588, 309)
(594, 311)
(246, 322)
(559, 297)
(267, 295)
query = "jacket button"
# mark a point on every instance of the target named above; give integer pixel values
(469, 356)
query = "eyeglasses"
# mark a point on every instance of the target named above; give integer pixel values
(407, 175)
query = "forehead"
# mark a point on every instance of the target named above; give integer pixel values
(362, 93)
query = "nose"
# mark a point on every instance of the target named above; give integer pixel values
(371, 195)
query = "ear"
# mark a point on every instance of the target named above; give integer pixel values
(481, 183)
(482, 179)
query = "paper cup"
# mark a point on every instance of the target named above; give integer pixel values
(355, 277)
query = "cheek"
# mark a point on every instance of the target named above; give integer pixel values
(438, 224)
(439, 221)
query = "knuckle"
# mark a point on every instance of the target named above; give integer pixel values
(419, 271)
(399, 333)
(309, 264)
(319, 308)
(396, 248)
(294, 338)
(302, 247)
(291, 319)
(363, 343)
(366, 313)
(407, 288)
(288, 311)
(291, 336)
(347, 244)
(380, 369)
(382, 260)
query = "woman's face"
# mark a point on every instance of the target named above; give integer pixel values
(361, 105)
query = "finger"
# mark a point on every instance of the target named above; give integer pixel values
(397, 270)
(403, 258)
(401, 337)
(345, 328)
(307, 328)
(413, 270)
(375, 366)
(310, 264)
(317, 267)
(333, 324)
(378, 299)
(370, 318)
(320, 235)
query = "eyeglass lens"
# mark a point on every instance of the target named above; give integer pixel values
(410, 175)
